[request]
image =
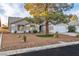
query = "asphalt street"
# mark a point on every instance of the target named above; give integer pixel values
(72, 50)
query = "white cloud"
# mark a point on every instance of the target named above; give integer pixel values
(8, 10)
(14, 9)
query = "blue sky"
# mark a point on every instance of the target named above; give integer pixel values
(12, 10)
(17, 10)
(76, 6)
(74, 10)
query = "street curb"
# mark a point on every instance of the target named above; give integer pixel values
(18, 51)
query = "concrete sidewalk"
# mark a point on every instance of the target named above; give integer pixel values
(70, 34)
(60, 44)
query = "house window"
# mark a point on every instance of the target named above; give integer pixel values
(20, 27)
(50, 27)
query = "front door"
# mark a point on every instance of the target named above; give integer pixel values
(40, 28)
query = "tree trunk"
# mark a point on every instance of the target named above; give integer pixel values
(47, 27)
(47, 22)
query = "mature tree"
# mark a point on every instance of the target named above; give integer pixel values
(43, 10)
(29, 19)
(34, 20)
(58, 17)
(73, 17)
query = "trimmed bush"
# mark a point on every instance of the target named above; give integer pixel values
(43, 35)
(34, 31)
(71, 28)
(15, 31)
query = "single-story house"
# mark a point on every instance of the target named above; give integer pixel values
(18, 25)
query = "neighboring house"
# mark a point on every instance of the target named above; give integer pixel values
(18, 25)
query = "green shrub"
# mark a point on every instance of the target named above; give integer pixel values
(15, 31)
(34, 31)
(44, 35)
(56, 35)
(71, 28)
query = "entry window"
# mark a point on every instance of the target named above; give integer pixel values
(20, 27)
(51, 27)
